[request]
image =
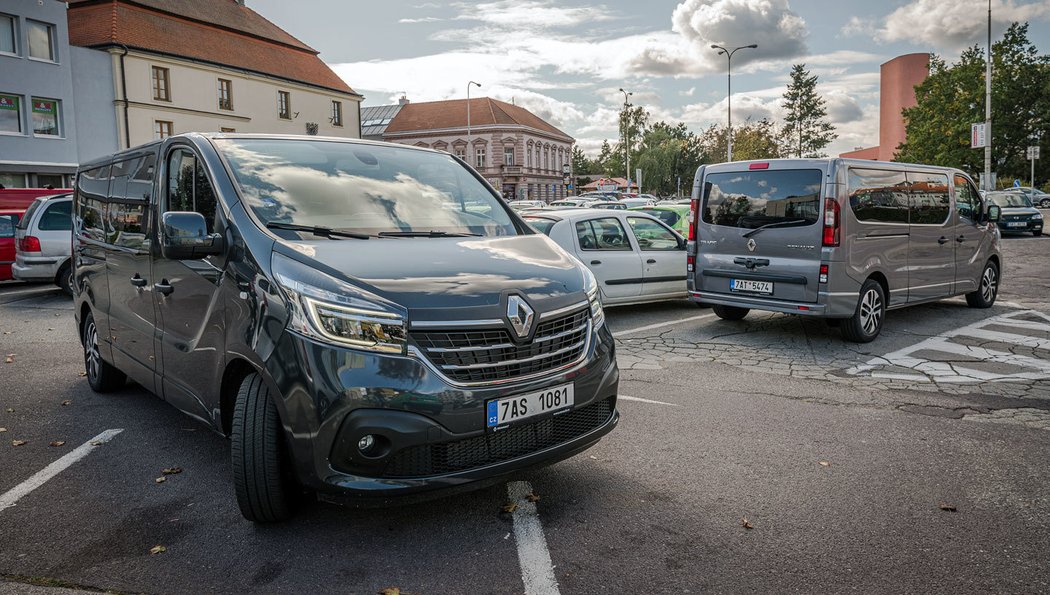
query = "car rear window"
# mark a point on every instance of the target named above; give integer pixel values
(57, 217)
(751, 199)
(668, 217)
(540, 224)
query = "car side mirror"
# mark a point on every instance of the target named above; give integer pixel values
(682, 243)
(184, 236)
(993, 213)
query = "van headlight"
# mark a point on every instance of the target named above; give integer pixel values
(324, 308)
(590, 285)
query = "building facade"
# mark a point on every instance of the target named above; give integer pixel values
(897, 81)
(515, 150)
(187, 66)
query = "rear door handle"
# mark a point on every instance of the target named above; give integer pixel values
(651, 261)
(942, 240)
(138, 281)
(164, 287)
(960, 239)
(596, 262)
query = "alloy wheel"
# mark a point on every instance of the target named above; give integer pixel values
(91, 355)
(988, 284)
(871, 311)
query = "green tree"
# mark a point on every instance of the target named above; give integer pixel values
(806, 129)
(952, 97)
(754, 139)
(666, 154)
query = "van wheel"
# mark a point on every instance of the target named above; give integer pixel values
(866, 322)
(729, 312)
(988, 289)
(266, 488)
(102, 377)
(64, 278)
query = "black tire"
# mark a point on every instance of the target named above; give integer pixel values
(266, 488)
(102, 377)
(866, 322)
(729, 312)
(987, 288)
(1045, 203)
(1037, 233)
(64, 278)
(833, 322)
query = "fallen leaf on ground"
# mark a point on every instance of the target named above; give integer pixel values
(56, 443)
(10, 410)
(511, 507)
(532, 497)
(172, 471)
(50, 329)
(746, 523)
(67, 402)
(81, 373)
(95, 443)
(157, 549)
(3, 429)
(160, 479)
(825, 464)
(19, 442)
(948, 507)
(594, 457)
(9, 359)
(390, 591)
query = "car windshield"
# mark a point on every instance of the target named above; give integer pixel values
(362, 188)
(751, 199)
(1010, 200)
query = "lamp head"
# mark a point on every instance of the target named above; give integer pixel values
(753, 46)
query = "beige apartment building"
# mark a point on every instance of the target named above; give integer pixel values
(515, 150)
(210, 66)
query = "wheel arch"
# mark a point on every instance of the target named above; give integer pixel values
(237, 369)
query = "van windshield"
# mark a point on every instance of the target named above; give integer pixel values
(362, 188)
(751, 199)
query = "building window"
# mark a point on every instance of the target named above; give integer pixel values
(508, 155)
(162, 129)
(225, 129)
(479, 157)
(528, 158)
(8, 180)
(337, 113)
(161, 84)
(461, 153)
(7, 35)
(225, 94)
(10, 114)
(41, 40)
(284, 105)
(45, 117)
(546, 158)
(537, 157)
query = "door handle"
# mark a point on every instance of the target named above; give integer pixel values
(960, 239)
(164, 287)
(596, 262)
(942, 240)
(651, 261)
(138, 281)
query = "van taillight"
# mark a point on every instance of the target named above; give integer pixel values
(690, 264)
(29, 244)
(823, 273)
(832, 221)
(694, 216)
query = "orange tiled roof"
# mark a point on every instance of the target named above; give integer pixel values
(218, 31)
(484, 111)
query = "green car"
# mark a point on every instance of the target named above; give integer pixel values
(675, 216)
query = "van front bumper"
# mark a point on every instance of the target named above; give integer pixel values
(429, 434)
(828, 305)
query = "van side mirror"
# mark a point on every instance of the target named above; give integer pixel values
(184, 236)
(993, 213)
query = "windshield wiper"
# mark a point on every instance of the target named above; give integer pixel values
(425, 234)
(776, 224)
(326, 232)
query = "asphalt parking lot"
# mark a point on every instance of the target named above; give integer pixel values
(764, 454)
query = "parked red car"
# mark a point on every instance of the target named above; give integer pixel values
(8, 221)
(18, 199)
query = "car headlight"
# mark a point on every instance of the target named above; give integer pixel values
(1038, 216)
(327, 309)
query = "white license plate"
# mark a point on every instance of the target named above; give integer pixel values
(1017, 224)
(752, 286)
(500, 412)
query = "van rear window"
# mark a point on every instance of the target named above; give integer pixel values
(751, 199)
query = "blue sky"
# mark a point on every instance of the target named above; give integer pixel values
(565, 60)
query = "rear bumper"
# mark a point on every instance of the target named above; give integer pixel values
(36, 268)
(828, 305)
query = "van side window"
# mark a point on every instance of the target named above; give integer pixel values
(92, 199)
(967, 201)
(602, 234)
(928, 198)
(140, 186)
(878, 196)
(189, 188)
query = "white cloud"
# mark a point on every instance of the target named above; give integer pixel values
(857, 26)
(955, 23)
(779, 32)
(531, 14)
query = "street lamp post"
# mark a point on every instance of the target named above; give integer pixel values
(988, 108)
(626, 135)
(729, 92)
(470, 147)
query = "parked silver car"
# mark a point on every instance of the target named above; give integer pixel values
(841, 239)
(43, 241)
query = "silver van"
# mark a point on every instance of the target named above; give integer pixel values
(841, 239)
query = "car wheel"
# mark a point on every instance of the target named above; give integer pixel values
(866, 322)
(1037, 233)
(262, 477)
(729, 312)
(64, 278)
(987, 289)
(1045, 203)
(102, 377)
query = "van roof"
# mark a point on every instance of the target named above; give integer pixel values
(823, 163)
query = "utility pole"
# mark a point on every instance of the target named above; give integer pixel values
(627, 134)
(988, 108)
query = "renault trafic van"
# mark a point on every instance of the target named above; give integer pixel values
(841, 239)
(361, 319)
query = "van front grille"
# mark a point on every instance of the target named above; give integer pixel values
(497, 447)
(490, 355)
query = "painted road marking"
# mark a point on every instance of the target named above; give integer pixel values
(41, 477)
(958, 365)
(641, 400)
(537, 571)
(650, 327)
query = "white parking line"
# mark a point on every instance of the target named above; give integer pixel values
(31, 290)
(9, 498)
(641, 400)
(537, 572)
(650, 327)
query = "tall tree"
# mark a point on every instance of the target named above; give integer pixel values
(754, 139)
(666, 154)
(806, 129)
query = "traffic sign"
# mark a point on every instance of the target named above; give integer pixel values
(977, 136)
(1033, 152)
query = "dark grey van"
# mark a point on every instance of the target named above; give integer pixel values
(361, 319)
(841, 239)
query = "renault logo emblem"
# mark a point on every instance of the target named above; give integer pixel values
(751, 245)
(520, 315)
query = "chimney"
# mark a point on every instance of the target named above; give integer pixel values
(403, 100)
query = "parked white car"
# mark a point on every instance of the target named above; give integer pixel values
(639, 201)
(634, 256)
(520, 205)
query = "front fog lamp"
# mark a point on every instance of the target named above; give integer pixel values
(597, 313)
(366, 329)
(366, 443)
